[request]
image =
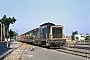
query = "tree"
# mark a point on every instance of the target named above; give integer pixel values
(73, 35)
(87, 38)
(15, 34)
(77, 37)
(7, 21)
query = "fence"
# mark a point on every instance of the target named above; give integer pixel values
(87, 42)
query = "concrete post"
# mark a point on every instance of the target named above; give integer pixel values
(1, 31)
(4, 31)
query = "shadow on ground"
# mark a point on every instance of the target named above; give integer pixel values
(4, 51)
(3, 47)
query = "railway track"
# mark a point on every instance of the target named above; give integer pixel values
(73, 50)
(78, 51)
(78, 47)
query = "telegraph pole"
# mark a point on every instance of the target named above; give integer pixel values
(16, 32)
(66, 33)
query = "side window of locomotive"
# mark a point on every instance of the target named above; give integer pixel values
(45, 26)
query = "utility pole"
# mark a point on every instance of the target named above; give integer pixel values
(66, 33)
(1, 31)
(16, 33)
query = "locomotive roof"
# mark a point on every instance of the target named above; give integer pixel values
(29, 31)
(47, 24)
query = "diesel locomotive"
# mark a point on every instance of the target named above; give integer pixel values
(48, 34)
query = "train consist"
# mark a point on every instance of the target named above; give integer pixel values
(48, 34)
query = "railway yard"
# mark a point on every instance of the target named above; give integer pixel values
(47, 42)
(67, 52)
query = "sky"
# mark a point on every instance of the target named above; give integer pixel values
(74, 15)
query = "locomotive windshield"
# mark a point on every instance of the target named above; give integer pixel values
(57, 32)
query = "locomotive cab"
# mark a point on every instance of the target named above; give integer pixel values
(56, 36)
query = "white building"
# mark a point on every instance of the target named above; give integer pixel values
(80, 37)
